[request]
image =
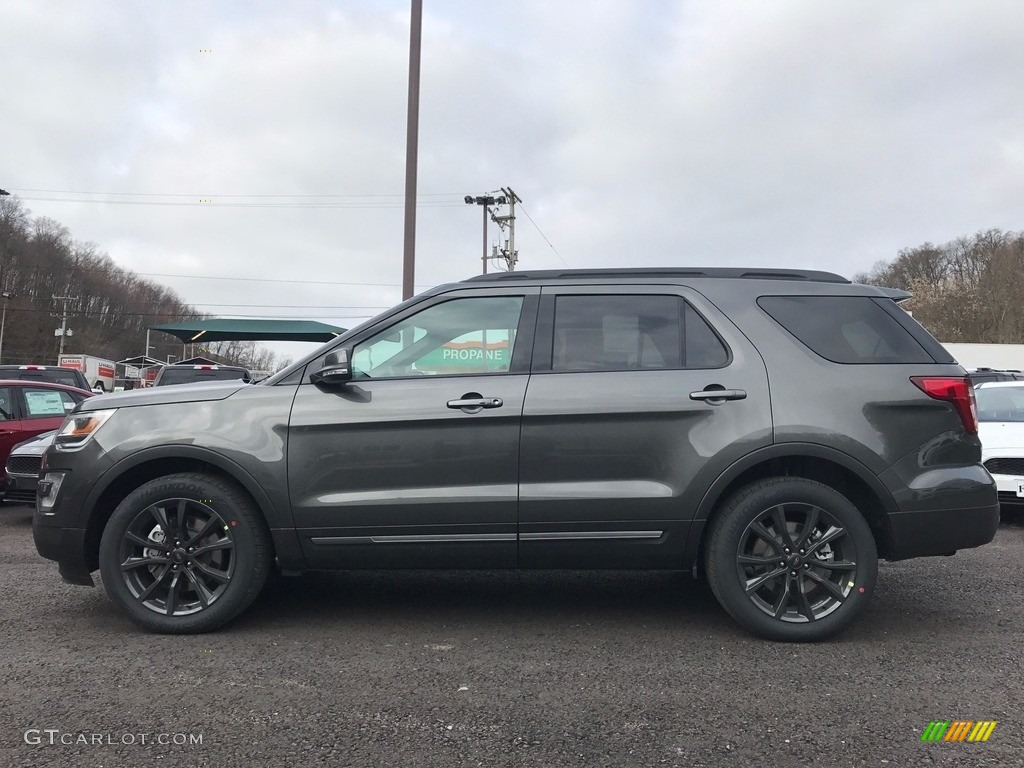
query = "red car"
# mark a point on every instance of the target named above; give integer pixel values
(29, 408)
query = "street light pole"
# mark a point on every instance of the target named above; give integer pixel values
(3, 322)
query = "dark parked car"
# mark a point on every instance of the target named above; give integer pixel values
(23, 465)
(190, 374)
(69, 377)
(29, 408)
(775, 430)
(985, 375)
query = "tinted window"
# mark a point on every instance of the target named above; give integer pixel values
(47, 403)
(1000, 403)
(187, 375)
(845, 329)
(462, 336)
(6, 404)
(620, 333)
(66, 376)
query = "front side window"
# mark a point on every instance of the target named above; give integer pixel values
(469, 336)
(625, 333)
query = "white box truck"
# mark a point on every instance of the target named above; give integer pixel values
(98, 372)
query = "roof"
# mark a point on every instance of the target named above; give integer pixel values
(227, 329)
(140, 361)
(811, 275)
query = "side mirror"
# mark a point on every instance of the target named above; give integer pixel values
(335, 370)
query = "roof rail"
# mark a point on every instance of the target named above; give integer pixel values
(810, 275)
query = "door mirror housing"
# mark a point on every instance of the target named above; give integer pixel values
(335, 370)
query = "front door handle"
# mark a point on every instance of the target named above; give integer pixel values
(709, 395)
(475, 402)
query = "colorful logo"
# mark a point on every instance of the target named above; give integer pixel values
(958, 730)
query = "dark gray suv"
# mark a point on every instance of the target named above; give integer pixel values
(778, 431)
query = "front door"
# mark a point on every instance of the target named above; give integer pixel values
(414, 463)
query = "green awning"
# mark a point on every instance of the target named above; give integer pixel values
(226, 329)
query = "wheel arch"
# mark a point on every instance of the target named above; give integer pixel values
(826, 465)
(146, 465)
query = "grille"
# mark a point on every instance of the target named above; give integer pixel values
(1005, 466)
(24, 465)
(20, 497)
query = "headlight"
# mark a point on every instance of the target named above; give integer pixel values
(79, 428)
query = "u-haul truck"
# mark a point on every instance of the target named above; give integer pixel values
(98, 372)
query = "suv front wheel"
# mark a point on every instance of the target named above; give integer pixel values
(791, 559)
(185, 553)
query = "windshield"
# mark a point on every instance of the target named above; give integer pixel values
(1000, 403)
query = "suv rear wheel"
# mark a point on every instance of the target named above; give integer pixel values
(185, 553)
(791, 559)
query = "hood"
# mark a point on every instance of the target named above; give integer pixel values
(1001, 435)
(178, 393)
(36, 446)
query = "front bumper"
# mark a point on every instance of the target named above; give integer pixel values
(67, 547)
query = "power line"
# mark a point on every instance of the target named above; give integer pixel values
(118, 267)
(207, 194)
(211, 204)
(523, 209)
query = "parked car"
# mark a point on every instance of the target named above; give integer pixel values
(54, 374)
(1001, 428)
(982, 375)
(190, 374)
(777, 431)
(23, 466)
(29, 408)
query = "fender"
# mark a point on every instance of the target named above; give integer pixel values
(275, 516)
(793, 450)
(691, 554)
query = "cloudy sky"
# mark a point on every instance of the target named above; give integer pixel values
(792, 133)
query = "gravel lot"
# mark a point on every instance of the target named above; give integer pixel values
(506, 669)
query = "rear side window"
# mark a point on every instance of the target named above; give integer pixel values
(846, 329)
(625, 333)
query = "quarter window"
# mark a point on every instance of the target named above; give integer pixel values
(469, 336)
(846, 329)
(623, 333)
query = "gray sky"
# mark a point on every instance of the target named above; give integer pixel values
(787, 133)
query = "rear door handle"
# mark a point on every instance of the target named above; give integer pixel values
(719, 394)
(476, 402)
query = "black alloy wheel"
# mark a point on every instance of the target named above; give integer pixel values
(185, 553)
(791, 559)
(177, 556)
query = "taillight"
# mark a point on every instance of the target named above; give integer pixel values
(955, 390)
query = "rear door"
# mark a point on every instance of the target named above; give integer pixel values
(623, 429)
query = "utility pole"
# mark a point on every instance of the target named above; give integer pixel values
(509, 252)
(411, 149)
(63, 331)
(484, 201)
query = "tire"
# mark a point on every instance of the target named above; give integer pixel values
(791, 559)
(185, 553)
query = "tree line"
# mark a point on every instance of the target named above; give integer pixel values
(108, 307)
(970, 289)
